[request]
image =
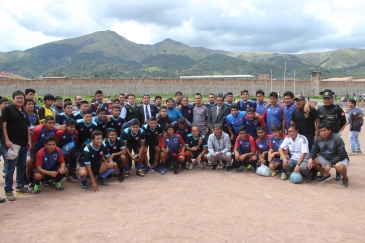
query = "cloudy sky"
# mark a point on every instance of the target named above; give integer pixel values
(239, 26)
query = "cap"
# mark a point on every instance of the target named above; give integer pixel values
(327, 90)
(299, 97)
(327, 94)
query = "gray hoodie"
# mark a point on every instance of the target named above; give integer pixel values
(223, 144)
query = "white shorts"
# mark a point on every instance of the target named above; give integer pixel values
(325, 162)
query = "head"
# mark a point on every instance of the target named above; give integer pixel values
(131, 99)
(88, 116)
(288, 98)
(30, 93)
(169, 129)
(170, 102)
(260, 95)
(219, 100)
(211, 98)
(185, 101)
(3, 102)
(292, 131)
(158, 100)
(229, 97)
(245, 95)
(181, 122)
(217, 129)
(242, 132)
(84, 106)
(50, 144)
(67, 100)
(48, 100)
(351, 104)
(99, 96)
(121, 98)
(195, 131)
(49, 123)
(250, 112)
(327, 98)
(67, 108)
(18, 98)
(146, 99)
(163, 111)
(101, 113)
(116, 111)
(234, 110)
(300, 101)
(134, 126)
(276, 131)
(178, 96)
(78, 100)
(261, 132)
(112, 135)
(58, 101)
(273, 97)
(29, 105)
(198, 99)
(152, 122)
(325, 130)
(70, 125)
(97, 138)
(116, 102)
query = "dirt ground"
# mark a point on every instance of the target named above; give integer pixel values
(193, 206)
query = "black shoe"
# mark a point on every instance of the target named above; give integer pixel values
(325, 178)
(345, 182)
(214, 167)
(102, 181)
(320, 175)
(338, 176)
(229, 168)
(121, 177)
(314, 176)
(224, 164)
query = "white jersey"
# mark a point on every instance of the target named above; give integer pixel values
(296, 147)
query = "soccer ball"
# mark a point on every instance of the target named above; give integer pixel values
(296, 178)
(136, 156)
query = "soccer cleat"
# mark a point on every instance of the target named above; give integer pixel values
(283, 176)
(359, 152)
(147, 170)
(102, 181)
(308, 180)
(84, 184)
(201, 165)
(2, 200)
(249, 167)
(240, 169)
(46, 183)
(9, 196)
(140, 173)
(338, 176)
(120, 177)
(58, 186)
(23, 190)
(345, 182)
(126, 174)
(206, 163)
(163, 171)
(214, 167)
(273, 173)
(325, 178)
(110, 176)
(31, 186)
(228, 168)
(224, 164)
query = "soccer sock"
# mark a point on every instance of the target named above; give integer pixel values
(254, 164)
(163, 165)
(59, 177)
(37, 182)
(139, 166)
(121, 169)
(127, 168)
(106, 173)
(81, 179)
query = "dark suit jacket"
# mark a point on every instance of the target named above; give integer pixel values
(220, 118)
(141, 112)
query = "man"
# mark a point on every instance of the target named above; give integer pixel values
(163, 119)
(172, 111)
(262, 145)
(260, 103)
(77, 105)
(274, 113)
(32, 117)
(78, 115)
(211, 101)
(116, 121)
(153, 132)
(66, 114)
(99, 103)
(29, 94)
(50, 164)
(58, 105)
(289, 107)
(122, 99)
(329, 151)
(229, 99)
(85, 127)
(182, 127)
(3, 102)
(158, 101)
(219, 148)
(196, 150)
(200, 114)
(234, 121)
(64, 138)
(251, 122)
(132, 111)
(95, 161)
(245, 102)
(16, 132)
(354, 115)
(244, 151)
(46, 109)
(274, 158)
(178, 98)
(218, 113)
(101, 121)
(299, 154)
(146, 110)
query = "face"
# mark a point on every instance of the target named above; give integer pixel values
(170, 132)
(88, 118)
(29, 106)
(276, 134)
(4, 104)
(324, 132)
(184, 102)
(112, 136)
(181, 126)
(163, 112)
(158, 101)
(78, 99)
(243, 135)
(115, 103)
(48, 103)
(234, 112)
(99, 98)
(68, 109)
(50, 146)
(327, 101)
(195, 131)
(71, 129)
(58, 103)
(219, 101)
(98, 140)
(288, 100)
(300, 103)
(217, 131)
(178, 97)
(101, 115)
(116, 112)
(292, 132)
(49, 125)
(244, 96)
(211, 99)
(229, 98)
(170, 103)
(146, 100)
(85, 107)
(131, 100)
(18, 100)
(261, 134)
(134, 129)
(259, 98)
(30, 95)
(153, 124)
(273, 100)
(122, 99)
(251, 115)
(198, 99)
(350, 105)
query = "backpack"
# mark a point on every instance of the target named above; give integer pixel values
(356, 122)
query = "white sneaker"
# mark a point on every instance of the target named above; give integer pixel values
(201, 165)
(190, 166)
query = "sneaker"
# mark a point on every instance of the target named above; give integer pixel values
(22, 191)
(9, 196)
(171, 166)
(155, 169)
(46, 183)
(190, 166)
(140, 173)
(31, 186)
(201, 165)
(224, 164)
(110, 176)
(58, 186)
(84, 184)
(338, 176)
(273, 173)
(325, 178)
(352, 153)
(147, 170)
(359, 152)
(102, 181)
(206, 163)
(228, 168)
(249, 167)
(320, 175)
(240, 169)
(214, 167)
(163, 171)
(345, 182)
(283, 176)
(126, 174)
(120, 177)
(71, 179)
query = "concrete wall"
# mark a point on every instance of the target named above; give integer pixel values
(169, 86)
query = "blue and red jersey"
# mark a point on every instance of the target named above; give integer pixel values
(263, 145)
(275, 143)
(173, 143)
(39, 137)
(274, 116)
(245, 146)
(48, 161)
(251, 125)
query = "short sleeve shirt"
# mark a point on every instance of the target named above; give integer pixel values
(17, 124)
(296, 147)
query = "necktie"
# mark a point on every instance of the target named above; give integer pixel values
(218, 108)
(147, 114)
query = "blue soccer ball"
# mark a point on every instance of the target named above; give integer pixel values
(296, 178)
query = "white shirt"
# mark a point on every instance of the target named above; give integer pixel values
(296, 147)
(144, 111)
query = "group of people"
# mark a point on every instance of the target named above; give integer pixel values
(91, 141)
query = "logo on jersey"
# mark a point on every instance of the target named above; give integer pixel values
(55, 156)
(115, 147)
(247, 144)
(91, 129)
(189, 111)
(202, 110)
(101, 152)
(175, 140)
(119, 123)
(137, 138)
(276, 109)
(103, 126)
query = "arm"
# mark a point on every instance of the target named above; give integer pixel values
(297, 167)
(8, 143)
(230, 131)
(228, 145)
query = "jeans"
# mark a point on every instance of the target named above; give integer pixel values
(9, 168)
(354, 140)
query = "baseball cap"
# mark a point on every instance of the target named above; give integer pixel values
(327, 94)
(299, 97)
(327, 90)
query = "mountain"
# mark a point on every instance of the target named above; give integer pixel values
(106, 54)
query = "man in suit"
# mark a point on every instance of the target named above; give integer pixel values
(146, 110)
(218, 113)
(131, 109)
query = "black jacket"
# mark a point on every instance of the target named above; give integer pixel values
(332, 150)
(141, 111)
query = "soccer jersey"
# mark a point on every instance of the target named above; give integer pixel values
(296, 147)
(163, 121)
(116, 123)
(275, 143)
(77, 116)
(187, 112)
(133, 140)
(229, 104)
(252, 125)
(63, 137)
(263, 145)
(39, 137)
(191, 142)
(115, 147)
(173, 143)
(49, 162)
(182, 131)
(151, 135)
(288, 111)
(95, 105)
(33, 119)
(100, 125)
(274, 116)
(61, 118)
(85, 131)
(243, 105)
(236, 122)
(260, 107)
(200, 115)
(245, 146)
(93, 156)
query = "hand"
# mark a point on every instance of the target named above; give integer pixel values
(270, 157)
(9, 144)
(94, 186)
(62, 170)
(53, 173)
(242, 157)
(285, 162)
(198, 159)
(296, 169)
(262, 159)
(236, 156)
(217, 155)
(179, 107)
(109, 165)
(315, 137)
(30, 162)
(310, 164)
(194, 148)
(232, 137)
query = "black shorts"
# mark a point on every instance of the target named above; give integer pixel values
(151, 144)
(133, 147)
(196, 153)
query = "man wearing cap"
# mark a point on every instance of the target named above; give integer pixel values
(333, 114)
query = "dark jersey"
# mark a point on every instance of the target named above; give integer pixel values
(115, 147)
(61, 118)
(85, 131)
(244, 105)
(260, 107)
(191, 142)
(39, 137)
(275, 143)
(116, 123)
(288, 111)
(93, 156)
(63, 137)
(100, 126)
(245, 146)
(182, 131)
(305, 122)
(163, 121)
(77, 116)
(173, 143)
(133, 140)
(49, 162)
(187, 112)
(95, 105)
(263, 145)
(252, 125)
(151, 134)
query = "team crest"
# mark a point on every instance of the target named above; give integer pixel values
(202, 110)
(189, 111)
(137, 138)
(91, 129)
(101, 152)
(119, 123)
(175, 140)
(55, 156)
(115, 147)
(103, 126)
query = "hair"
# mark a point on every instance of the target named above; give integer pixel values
(353, 101)
(260, 128)
(121, 94)
(28, 100)
(66, 104)
(293, 126)
(84, 102)
(260, 91)
(219, 96)
(67, 100)
(163, 108)
(185, 97)
(245, 91)
(110, 130)
(242, 128)
(76, 96)
(58, 98)
(131, 95)
(18, 92)
(96, 133)
(88, 111)
(211, 94)
(48, 97)
(49, 139)
(70, 122)
(229, 93)
(115, 107)
(275, 127)
(158, 97)
(217, 125)
(48, 118)
(4, 99)
(98, 92)
(289, 93)
(196, 127)
(178, 92)
(144, 95)
(100, 109)
(325, 124)
(152, 118)
(274, 94)
(250, 109)
(30, 90)
(116, 100)
(134, 122)
(168, 127)
(198, 94)
(169, 99)
(181, 120)
(234, 106)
